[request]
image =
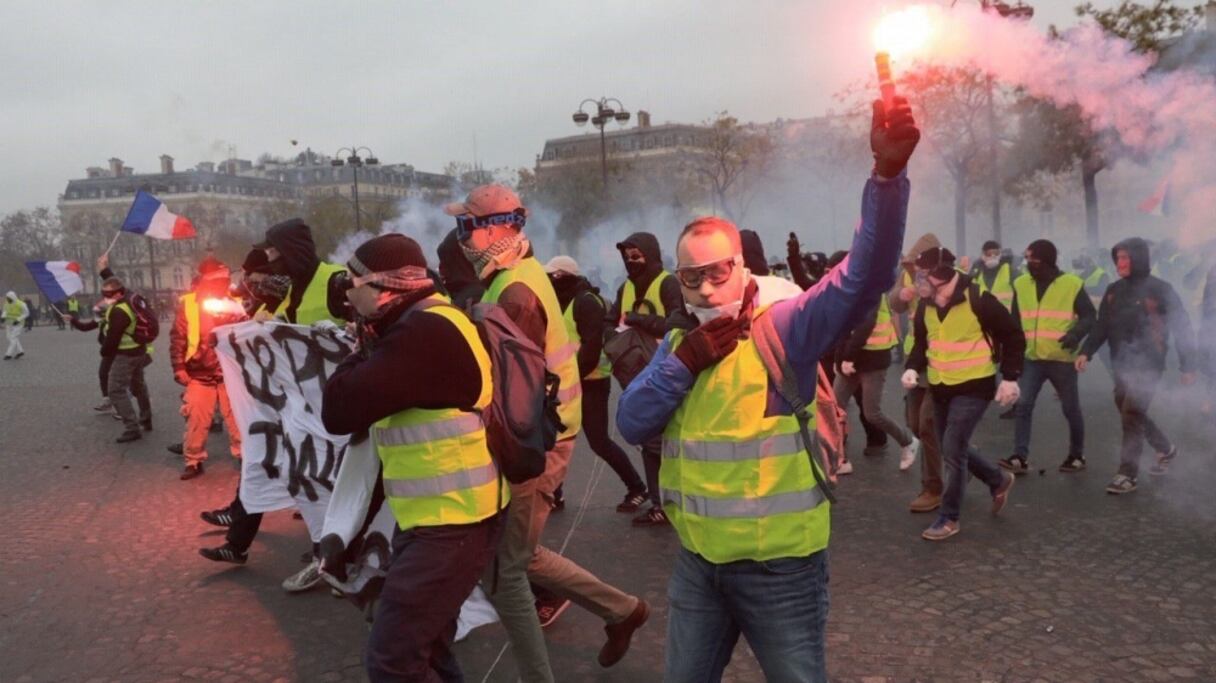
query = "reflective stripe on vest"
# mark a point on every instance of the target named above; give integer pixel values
(128, 341)
(190, 308)
(1002, 285)
(436, 463)
(653, 295)
(736, 482)
(883, 336)
(1044, 323)
(604, 369)
(958, 351)
(560, 351)
(314, 305)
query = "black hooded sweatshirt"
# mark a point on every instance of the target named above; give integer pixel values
(669, 291)
(753, 252)
(297, 251)
(457, 274)
(1137, 315)
(589, 313)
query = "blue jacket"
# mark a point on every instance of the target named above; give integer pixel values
(807, 325)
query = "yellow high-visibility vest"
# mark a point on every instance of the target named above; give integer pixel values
(437, 465)
(604, 369)
(561, 350)
(737, 483)
(958, 351)
(314, 305)
(128, 340)
(1002, 285)
(653, 295)
(1046, 322)
(883, 336)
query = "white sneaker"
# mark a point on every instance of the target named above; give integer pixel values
(907, 456)
(846, 467)
(305, 579)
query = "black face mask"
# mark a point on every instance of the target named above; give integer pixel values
(635, 268)
(278, 266)
(564, 285)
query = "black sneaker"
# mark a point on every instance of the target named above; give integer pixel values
(1163, 462)
(220, 517)
(632, 502)
(652, 517)
(1073, 463)
(129, 436)
(558, 504)
(146, 423)
(191, 472)
(1014, 463)
(224, 553)
(549, 609)
(175, 448)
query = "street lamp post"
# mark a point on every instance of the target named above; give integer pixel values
(355, 162)
(604, 112)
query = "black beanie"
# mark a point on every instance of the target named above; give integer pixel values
(1044, 251)
(387, 252)
(753, 252)
(256, 262)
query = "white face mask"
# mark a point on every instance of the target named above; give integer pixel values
(992, 261)
(704, 315)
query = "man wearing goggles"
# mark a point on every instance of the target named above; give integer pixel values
(738, 480)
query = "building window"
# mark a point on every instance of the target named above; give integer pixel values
(179, 280)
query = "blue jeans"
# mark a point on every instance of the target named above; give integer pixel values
(956, 419)
(780, 606)
(1063, 376)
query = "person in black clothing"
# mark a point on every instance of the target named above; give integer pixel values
(103, 368)
(974, 334)
(291, 251)
(416, 362)
(805, 269)
(1137, 315)
(457, 274)
(583, 303)
(643, 266)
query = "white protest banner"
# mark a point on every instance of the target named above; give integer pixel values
(275, 374)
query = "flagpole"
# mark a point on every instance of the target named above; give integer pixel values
(112, 243)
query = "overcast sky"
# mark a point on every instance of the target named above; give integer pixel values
(417, 81)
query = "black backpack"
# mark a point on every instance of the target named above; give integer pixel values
(631, 349)
(147, 324)
(521, 421)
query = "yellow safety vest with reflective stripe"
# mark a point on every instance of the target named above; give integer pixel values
(909, 339)
(629, 295)
(883, 336)
(958, 351)
(1046, 322)
(128, 341)
(1002, 285)
(1092, 283)
(191, 308)
(12, 311)
(437, 465)
(737, 483)
(604, 369)
(561, 347)
(314, 305)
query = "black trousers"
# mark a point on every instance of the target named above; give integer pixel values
(103, 374)
(244, 527)
(595, 426)
(432, 572)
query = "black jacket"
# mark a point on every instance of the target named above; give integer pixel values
(1137, 315)
(419, 361)
(669, 291)
(589, 312)
(1003, 332)
(457, 274)
(850, 348)
(1081, 306)
(293, 240)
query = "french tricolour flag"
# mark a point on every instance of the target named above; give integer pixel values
(149, 216)
(57, 279)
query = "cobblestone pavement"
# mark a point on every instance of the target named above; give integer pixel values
(100, 579)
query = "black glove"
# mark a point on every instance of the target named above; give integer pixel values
(893, 137)
(709, 343)
(792, 248)
(333, 560)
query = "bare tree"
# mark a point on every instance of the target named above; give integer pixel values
(732, 160)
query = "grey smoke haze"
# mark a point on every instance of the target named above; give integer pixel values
(415, 81)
